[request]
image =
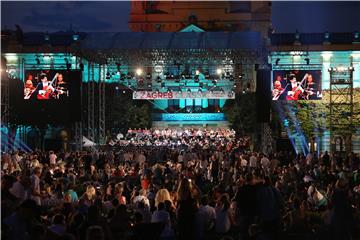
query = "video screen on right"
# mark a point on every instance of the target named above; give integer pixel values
(293, 85)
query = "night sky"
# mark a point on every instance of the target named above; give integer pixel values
(113, 16)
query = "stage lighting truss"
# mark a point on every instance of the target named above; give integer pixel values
(341, 104)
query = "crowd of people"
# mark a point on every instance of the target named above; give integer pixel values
(217, 190)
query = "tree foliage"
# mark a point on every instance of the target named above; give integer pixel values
(241, 113)
(122, 112)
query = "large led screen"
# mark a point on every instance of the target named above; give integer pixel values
(45, 85)
(47, 96)
(293, 85)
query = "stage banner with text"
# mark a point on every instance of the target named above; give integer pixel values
(153, 95)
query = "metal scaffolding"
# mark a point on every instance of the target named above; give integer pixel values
(5, 111)
(341, 108)
(91, 103)
(101, 112)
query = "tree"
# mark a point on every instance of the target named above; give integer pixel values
(241, 113)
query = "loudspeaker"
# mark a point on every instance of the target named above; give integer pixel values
(263, 95)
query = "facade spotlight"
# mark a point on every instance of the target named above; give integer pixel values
(218, 71)
(139, 71)
(351, 68)
(234, 85)
(158, 69)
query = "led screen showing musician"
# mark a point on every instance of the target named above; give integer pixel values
(45, 85)
(293, 85)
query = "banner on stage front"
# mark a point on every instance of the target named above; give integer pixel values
(153, 95)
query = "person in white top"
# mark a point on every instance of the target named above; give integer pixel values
(52, 158)
(35, 186)
(243, 161)
(265, 162)
(253, 161)
(223, 217)
(206, 215)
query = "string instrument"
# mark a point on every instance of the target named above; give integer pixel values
(45, 94)
(297, 91)
(278, 93)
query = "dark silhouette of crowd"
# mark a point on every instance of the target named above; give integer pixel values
(199, 185)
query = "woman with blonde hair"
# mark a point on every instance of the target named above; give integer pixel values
(89, 196)
(161, 196)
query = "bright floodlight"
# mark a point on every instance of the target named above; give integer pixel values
(218, 71)
(197, 72)
(139, 71)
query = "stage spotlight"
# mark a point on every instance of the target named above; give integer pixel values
(139, 71)
(218, 71)
(327, 36)
(158, 69)
(307, 60)
(277, 61)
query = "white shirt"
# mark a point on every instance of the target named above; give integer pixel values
(243, 162)
(253, 161)
(141, 198)
(52, 158)
(35, 186)
(265, 162)
(207, 214)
